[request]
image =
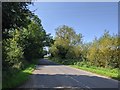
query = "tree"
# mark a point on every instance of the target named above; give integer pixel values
(104, 52)
(34, 40)
(15, 15)
(68, 34)
(24, 38)
(66, 40)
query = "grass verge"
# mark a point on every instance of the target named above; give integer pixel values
(19, 77)
(111, 73)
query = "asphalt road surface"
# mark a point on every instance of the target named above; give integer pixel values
(54, 76)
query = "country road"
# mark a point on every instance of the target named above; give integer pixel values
(51, 75)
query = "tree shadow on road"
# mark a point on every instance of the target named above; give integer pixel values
(68, 81)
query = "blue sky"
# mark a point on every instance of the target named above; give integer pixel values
(88, 18)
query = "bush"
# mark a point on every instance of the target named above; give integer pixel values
(13, 54)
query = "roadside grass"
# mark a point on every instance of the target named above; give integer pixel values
(19, 77)
(108, 72)
(111, 73)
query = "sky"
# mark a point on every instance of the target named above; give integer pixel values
(90, 19)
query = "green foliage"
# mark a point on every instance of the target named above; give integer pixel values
(112, 73)
(12, 58)
(64, 61)
(23, 41)
(34, 38)
(66, 43)
(18, 78)
(102, 52)
(12, 54)
(14, 15)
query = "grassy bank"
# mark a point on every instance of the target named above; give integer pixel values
(108, 72)
(112, 73)
(19, 77)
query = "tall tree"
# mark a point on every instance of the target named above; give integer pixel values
(14, 15)
(66, 40)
